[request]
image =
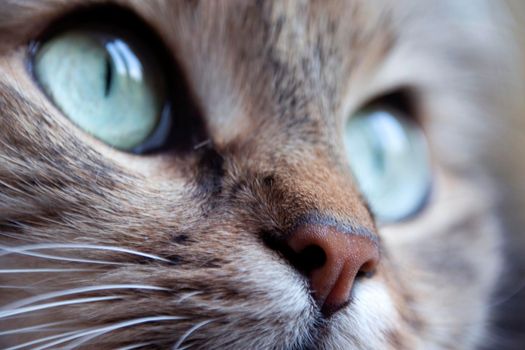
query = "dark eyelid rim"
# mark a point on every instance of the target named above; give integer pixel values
(403, 99)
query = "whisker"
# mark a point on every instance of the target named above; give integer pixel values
(39, 327)
(11, 271)
(15, 287)
(188, 333)
(44, 246)
(63, 258)
(41, 340)
(9, 313)
(93, 333)
(187, 296)
(510, 294)
(201, 144)
(62, 293)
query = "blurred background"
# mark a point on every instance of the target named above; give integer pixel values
(510, 320)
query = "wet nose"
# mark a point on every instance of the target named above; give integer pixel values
(332, 259)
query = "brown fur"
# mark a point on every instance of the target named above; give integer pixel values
(275, 82)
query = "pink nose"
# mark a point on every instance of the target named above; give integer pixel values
(332, 260)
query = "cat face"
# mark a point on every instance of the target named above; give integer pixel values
(200, 244)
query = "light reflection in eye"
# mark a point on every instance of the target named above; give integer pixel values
(391, 132)
(126, 62)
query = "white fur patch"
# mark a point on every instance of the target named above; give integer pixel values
(367, 320)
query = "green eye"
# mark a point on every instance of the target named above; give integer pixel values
(108, 85)
(388, 156)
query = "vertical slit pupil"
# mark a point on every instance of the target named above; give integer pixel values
(108, 76)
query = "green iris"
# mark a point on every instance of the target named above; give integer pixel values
(389, 158)
(109, 86)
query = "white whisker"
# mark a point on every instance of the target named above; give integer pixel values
(9, 313)
(62, 293)
(10, 271)
(188, 333)
(41, 340)
(512, 292)
(44, 246)
(39, 327)
(15, 287)
(187, 296)
(63, 258)
(93, 333)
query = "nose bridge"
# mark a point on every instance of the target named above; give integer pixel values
(297, 179)
(305, 167)
(328, 188)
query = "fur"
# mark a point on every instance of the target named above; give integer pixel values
(168, 251)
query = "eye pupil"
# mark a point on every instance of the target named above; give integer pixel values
(379, 158)
(108, 76)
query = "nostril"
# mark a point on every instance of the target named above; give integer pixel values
(310, 258)
(305, 260)
(367, 270)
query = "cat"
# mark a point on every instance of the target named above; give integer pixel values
(244, 222)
